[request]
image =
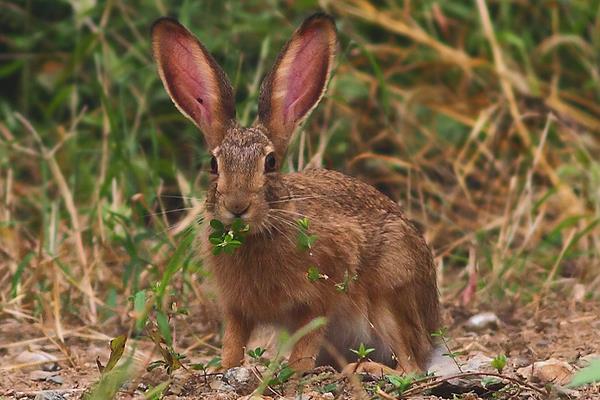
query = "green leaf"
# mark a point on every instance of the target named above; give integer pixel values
(17, 276)
(117, 347)
(304, 223)
(329, 388)
(215, 240)
(589, 374)
(400, 383)
(238, 225)
(139, 309)
(499, 362)
(217, 225)
(176, 262)
(257, 352)
(163, 326)
(362, 351)
(313, 274)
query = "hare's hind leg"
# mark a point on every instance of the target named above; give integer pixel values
(409, 296)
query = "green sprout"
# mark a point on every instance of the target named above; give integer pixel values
(305, 239)
(227, 239)
(362, 352)
(442, 333)
(401, 383)
(499, 362)
(313, 274)
(257, 353)
(343, 286)
(284, 373)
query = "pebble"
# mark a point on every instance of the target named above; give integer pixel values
(37, 359)
(39, 375)
(221, 386)
(49, 396)
(482, 321)
(478, 363)
(241, 379)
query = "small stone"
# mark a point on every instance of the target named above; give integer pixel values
(50, 395)
(175, 389)
(38, 375)
(328, 396)
(241, 379)
(221, 386)
(549, 371)
(478, 363)
(51, 367)
(36, 359)
(482, 321)
(55, 379)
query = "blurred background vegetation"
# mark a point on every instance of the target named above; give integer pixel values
(481, 117)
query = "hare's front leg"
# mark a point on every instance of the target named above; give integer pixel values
(237, 333)
(304, 352)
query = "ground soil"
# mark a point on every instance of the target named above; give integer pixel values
(556, 329)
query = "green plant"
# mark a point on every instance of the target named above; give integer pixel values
(328, 388)
(257, 355)
(278, 370)
(362, 352)
(283, 374)
(442, 335)
(171, 360)
(313, 274)
(344, 285)
(305, 239)
(400, 383)
(499, 362)
(589, 374)
(227, 239)
(214, 362)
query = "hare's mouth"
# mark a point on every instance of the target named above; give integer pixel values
(252, 217)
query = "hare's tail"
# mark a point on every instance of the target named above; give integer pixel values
(441, 364)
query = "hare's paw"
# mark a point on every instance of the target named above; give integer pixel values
(368, 367)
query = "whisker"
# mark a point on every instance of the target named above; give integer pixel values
(288, 211)
(296, 198)
(283, 232)
(279, 230)
(282, 219)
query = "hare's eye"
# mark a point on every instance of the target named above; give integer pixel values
(214, 167)
(270, 162)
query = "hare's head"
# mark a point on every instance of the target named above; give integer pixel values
(245, 161)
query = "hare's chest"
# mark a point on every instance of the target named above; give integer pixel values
(263, 284)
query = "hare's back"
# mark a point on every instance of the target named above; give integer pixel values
(333, 192)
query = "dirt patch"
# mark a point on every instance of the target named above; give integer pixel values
(34, 363)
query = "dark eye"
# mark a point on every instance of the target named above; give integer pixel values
(270, 162)
(214, 167)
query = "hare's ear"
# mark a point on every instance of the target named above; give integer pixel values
(298, 79)
(197, 85)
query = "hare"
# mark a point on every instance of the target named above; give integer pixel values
(386, 294)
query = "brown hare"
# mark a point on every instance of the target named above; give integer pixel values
(390, 298)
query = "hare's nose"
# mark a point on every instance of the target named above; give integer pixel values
(237, 207)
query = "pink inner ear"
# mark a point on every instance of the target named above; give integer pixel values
(306, 75)
(185, 77)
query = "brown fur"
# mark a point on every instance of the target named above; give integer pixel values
(392, 304)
